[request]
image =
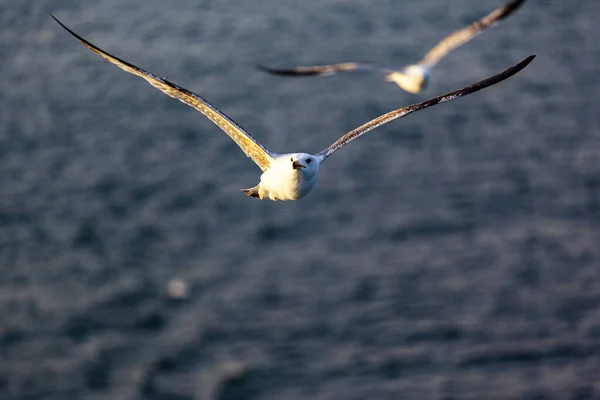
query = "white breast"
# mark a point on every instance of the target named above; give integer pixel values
(282, 182)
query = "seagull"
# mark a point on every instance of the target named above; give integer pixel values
(288, 176)
(412, 78)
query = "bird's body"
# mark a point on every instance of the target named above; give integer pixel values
(288, 176)
(413, 78)
(291, 177)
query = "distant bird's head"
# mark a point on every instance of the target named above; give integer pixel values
(413, 78)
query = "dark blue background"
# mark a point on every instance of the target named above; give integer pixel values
(452, 254)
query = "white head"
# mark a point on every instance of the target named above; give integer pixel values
(413, 78)
(305, 164)
(291, 177)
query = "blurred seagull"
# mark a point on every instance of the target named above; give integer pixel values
(289, 176)
(415, 77)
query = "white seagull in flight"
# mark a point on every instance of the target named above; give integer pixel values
(415, 77)
(289, 176)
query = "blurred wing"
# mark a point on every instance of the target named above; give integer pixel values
(402, 112)
(462, 36)
(260, 155)
(322, 69)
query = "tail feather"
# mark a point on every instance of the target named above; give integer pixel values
(252, 192)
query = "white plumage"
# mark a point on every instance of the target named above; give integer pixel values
(288, 176)
(412, 78)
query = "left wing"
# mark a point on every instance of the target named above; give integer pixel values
(402, 112)
(462, 36)
(323, 70)
(258, 153)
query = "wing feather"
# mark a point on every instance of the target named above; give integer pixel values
(322, 69)
(402, 112)
(259, 154)
(463, 35)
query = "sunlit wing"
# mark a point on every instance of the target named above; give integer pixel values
(462, 36)
(259, 154)
(322, 69)
(402, 112)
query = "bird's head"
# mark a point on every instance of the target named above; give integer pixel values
(305, 164)
(413, 78)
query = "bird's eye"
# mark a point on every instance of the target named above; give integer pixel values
(308, 160)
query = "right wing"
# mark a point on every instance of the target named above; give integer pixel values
(463, 35)
(259, 154)
(402, 112)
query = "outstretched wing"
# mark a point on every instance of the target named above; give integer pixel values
(402, 112)
(462, 36)
(259, 154)
(323, 69)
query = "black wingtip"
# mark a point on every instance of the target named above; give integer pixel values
(509, 8)
(525, 62)
(288, 72)
(56, 19)
(513, 5)
(273, 71)
(501, 76)
(512, 70)
(263, 68)
(65, 27)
